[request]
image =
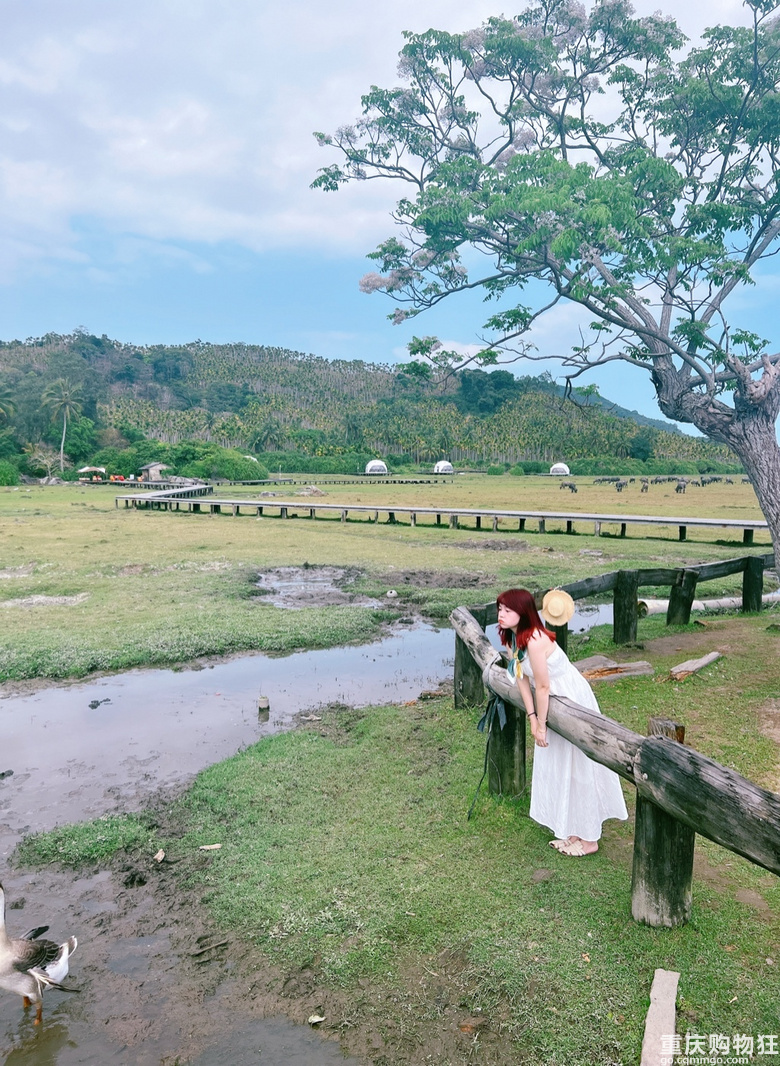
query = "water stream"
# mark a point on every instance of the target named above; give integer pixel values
(78, 750)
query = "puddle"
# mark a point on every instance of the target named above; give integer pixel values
(585, 617)
(275, 1042)
(295, 587)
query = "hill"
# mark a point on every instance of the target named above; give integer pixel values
(263, 399)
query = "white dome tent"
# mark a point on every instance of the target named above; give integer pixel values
(444, 466)
(376, 466)
(560, 469)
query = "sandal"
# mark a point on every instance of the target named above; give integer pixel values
(559, 845)
(575, 849)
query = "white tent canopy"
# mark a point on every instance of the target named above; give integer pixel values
(444, 466)
(559, 468)
(376, 466)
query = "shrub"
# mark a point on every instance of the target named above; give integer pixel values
(9, 475)
(225, 464)
(495, 471)
(517, 470)
(297, 463)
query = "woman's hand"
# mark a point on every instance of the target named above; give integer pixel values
(539, 732)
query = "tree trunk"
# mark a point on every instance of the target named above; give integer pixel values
(755, 442)
(749, 430)
(62, 442)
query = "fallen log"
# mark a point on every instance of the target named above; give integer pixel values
(600, 668)
(692, 666)
(617, 671)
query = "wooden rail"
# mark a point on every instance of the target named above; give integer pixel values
(453, 515)
(679, 791)
(625, 584)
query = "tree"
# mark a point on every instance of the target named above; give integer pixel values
(81, 438)
(641, 446)
(42, 457)
(61, 397)
(268, 437)
(7, 406)
(595, 154)
(354, 429)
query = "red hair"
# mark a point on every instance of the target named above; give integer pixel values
(522, 603)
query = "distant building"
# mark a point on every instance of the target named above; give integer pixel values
(444, 466)
(376, 466)
(154, 471)
(560, 468)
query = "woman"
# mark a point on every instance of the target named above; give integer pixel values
(570, 794)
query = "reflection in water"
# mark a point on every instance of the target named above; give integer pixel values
(40, 1045)
(274, 1042)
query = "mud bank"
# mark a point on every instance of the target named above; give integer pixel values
(158, 988)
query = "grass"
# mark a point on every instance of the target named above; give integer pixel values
(159, 588)
(346, 851)
(87, 843)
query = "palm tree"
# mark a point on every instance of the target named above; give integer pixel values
(354, 429)
(61, 397)
(268, 437)
(6, 406)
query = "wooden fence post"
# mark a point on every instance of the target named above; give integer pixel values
(752, 583)
(681, 599)
(561, 636)
(506, 754)
(663, 855)
(469, 690)
(624, 611)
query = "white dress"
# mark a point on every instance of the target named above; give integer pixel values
(570, 793)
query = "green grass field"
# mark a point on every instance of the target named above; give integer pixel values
(91, 587)
(346, 852)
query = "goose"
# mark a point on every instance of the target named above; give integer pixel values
(28, 965)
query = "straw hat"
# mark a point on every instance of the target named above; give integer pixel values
(557, 607)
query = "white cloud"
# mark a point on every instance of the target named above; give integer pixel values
(185, 120)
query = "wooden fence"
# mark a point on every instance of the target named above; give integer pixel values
(624, 586)
(679, 791)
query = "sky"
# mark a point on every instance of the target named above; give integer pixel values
(155, 164)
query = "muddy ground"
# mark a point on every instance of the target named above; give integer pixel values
(295, 587)
(158, 986)
(161, 986)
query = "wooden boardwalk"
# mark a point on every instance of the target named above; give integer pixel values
(199, 499)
